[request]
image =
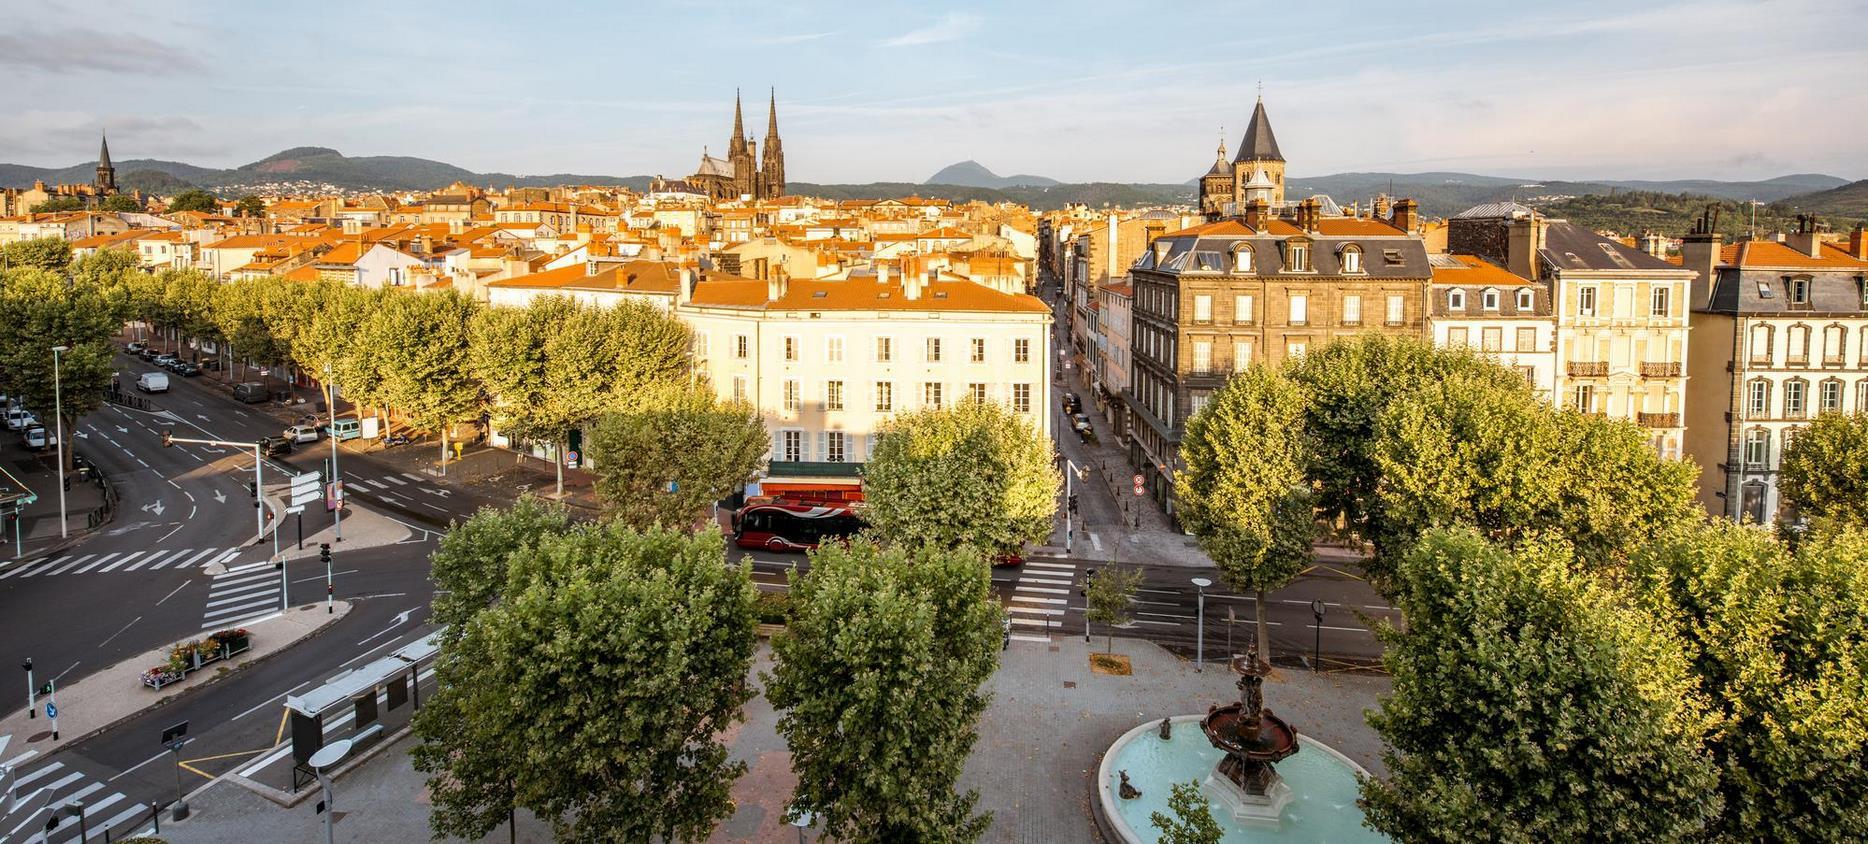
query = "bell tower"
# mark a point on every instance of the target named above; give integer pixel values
(106, 182)
(1259, 165)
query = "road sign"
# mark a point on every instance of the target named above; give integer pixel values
(308, 479)
(51, 710)
(1140, 484)
(304, 489)
(296, 508)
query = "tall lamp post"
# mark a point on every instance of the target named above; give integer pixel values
(326, 758)
(1316, 654)
(337, 484)
(1199, 630)
(58, 436)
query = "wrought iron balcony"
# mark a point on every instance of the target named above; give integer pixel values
(1660, 370)
(1588, 369)
(1658, 420)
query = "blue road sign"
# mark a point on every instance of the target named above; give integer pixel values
(51, 710)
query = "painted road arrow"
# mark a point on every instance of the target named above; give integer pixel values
(220, 497)
(155, 508)
(401, 619)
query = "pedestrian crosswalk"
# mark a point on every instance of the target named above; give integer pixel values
(240, 596)
(124, 562)
(55, 789)
(1039, 598)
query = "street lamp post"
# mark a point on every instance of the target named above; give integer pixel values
(1199, 631)
(321, 762)
(330, 404)
(1316, 653)
(1088, 576)
(32, 691)
(58, 436)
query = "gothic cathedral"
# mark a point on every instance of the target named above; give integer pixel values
(744, 172)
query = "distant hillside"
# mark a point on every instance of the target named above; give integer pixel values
(152, 182)
(319, 165)
(1632, 212)
(1850, 200)
(1093, 194)
(973, 174)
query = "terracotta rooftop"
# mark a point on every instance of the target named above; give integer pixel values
(862, 295)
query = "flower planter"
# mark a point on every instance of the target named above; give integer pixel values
(190, 656)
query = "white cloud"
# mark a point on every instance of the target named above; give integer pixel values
(953, 27)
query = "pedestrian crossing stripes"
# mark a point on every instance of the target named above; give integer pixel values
(45, 790)
(120, 562)
(1039, 599)
(241, 596)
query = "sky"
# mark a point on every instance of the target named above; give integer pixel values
(885, 91)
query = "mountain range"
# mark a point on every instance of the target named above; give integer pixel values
(1439, 193)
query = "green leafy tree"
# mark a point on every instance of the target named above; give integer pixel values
(648, 346)
(1824, 473)
(667, 460)
(420, 346)
(121, 203)
(1107, 598)
(194, 200)
(40, 309)
(333, 346)
(1533, 702)
(470, 564)
(1779, 644)
(971, 474)
(878, 684)
(1244, 492)
(57, 205)
(42, 253)
(1192, 821)
(239, 309)
(251, 206)
(594, 690)
(106, 267)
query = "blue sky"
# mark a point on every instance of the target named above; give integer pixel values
(893, 91)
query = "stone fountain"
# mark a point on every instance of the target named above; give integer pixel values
(1245, 782)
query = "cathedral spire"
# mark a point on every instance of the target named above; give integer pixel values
(103, 150)
(106, 181)
(771, 122)
(738, 144)
(1259, 143)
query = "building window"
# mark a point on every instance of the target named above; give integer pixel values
(741, 346)
(1242, 259)
(1797, 343)
(1527, 300)
(833, 395)
(791, 394)
(1757, 448)
(976, 392)
(1241, 355)
(978, 349)
(791, 348)
(930, 394)
(1457, 336)
(1352, 310)
(1352, 259)
(739, 388)
(1489, 299)
(1795, 396)
(833, 349)
(1300, 309)
(1021, 350)
(1799, 291)
(793, 448)
(1021, 398)
(1492, 339)
(885, 396)
(1242, 310)
(1831, 397)
(885, 349)
(933, 350)
(1585, 301)
(1202, 308)
(1297, 257)
(1456, 300)
(1527, 340)
(1835, 345)
(1758, 399)
(1197, 401)
(1583, 398)
(1202, 357)
(1761, 345)
(1861, 396)
(1295, 350)
(1397, 310)
(1660, 306)
(834, 445)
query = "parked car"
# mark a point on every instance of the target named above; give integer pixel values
(18, 419)
(135, 347)
(303, 434)
(153, 382)
(1072, 404)
(185, 369)
(37, 437)
(344, 429)
(252, 392)
(148, 354)
(275, 446)
(1081, 424)
(165, 359)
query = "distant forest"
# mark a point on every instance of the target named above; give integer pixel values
(1632, 212)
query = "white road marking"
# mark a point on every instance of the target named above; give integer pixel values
(395, 480)
(71, 565)
(172, 594)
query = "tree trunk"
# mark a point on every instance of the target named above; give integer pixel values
(444, 450)
(1264, 633)
(564, 447)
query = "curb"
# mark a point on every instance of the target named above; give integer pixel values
(68, 744)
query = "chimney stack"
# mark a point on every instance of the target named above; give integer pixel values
(1256, 210)
(1407, 215)
(1699, 252)
(882, 272)
(777, 285)
(911, 285)
(1308, 212)
(1858, 242)
(684, 290)
(1808, 237)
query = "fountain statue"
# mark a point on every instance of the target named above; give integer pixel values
(1253, 739)
(1167, 729)
(1129, 791)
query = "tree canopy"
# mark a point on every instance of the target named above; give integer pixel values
(975, 474)
(194, 200)
(42, 253)
(1824, 473)
(681, 449)
(40, 309)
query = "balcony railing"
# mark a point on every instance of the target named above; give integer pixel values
(1832, 360)
(1660, 370)
(1658, 420)
(1588, 369)
(1797, 360)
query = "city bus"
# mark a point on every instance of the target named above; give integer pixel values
(792, 525)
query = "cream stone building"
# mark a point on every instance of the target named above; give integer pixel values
(828, 361)
(1477, 305)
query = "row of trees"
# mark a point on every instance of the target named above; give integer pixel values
(588, 671)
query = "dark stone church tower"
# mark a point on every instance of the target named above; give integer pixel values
(772, 164)
(106, 183)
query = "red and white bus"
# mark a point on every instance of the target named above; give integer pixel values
(792, 525)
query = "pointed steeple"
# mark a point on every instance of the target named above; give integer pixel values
(737, 145)
(771, 121)
(103, 150)
(106, 181)
(772, 160)
(1259, 143)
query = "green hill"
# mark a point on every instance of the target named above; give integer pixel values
(1850, 200)
(1632, 212)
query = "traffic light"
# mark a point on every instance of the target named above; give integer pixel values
(324, 552)
(1088, 575)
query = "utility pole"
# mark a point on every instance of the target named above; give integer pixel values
(58, 436)
(259, 489)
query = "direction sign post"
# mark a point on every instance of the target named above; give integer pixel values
(1140, 485)
(173, 738)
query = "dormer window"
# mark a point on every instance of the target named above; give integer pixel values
(1799, 291)
(1242, 259)
(1527, 300)
(1456, 300)
(1352, 259)
(1489, 299)
(1297, 256)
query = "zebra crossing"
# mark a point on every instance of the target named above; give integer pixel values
(123, 562)
(1039, 598)
(240, 596)
(45, 790)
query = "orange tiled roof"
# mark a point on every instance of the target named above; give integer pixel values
(1771, 254)
(630, 277)
(101, 241)
(862, 295)
(1477, 271)
(1222, 227)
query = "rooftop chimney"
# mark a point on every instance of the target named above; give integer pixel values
(882, 272)
(1699, 252)
(1808, 237)
(1308, 212)
(1858, 243)
(777, 285)
(911, 285)
(1407, 215)
(1255, 212)
(684, 291)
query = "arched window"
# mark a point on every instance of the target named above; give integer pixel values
(1527, 299)
(1797, 345)
(1758, 399)
(1835, 344)
(1489, 299)
(1456, 300)
(1761, 345)
(1352, 259)
(1757, 448)
(1242, 258)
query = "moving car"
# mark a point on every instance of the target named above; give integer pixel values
(1072, 404)
(1081, 424)
(303, 434)
(344, 429)
(153, 382)
(275, 446)
(252, 392)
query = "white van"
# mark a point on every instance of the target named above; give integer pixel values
(17, 419)
(153, 382)
(38, 437)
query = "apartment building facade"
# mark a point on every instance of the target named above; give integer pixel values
(1477, 305)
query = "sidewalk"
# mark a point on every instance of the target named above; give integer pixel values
(363, 528)
(105, 697)
(37, 473)
(1040, 741)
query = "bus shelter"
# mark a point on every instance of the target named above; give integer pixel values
(362, 705)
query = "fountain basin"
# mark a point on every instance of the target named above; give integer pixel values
(1322, 799)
